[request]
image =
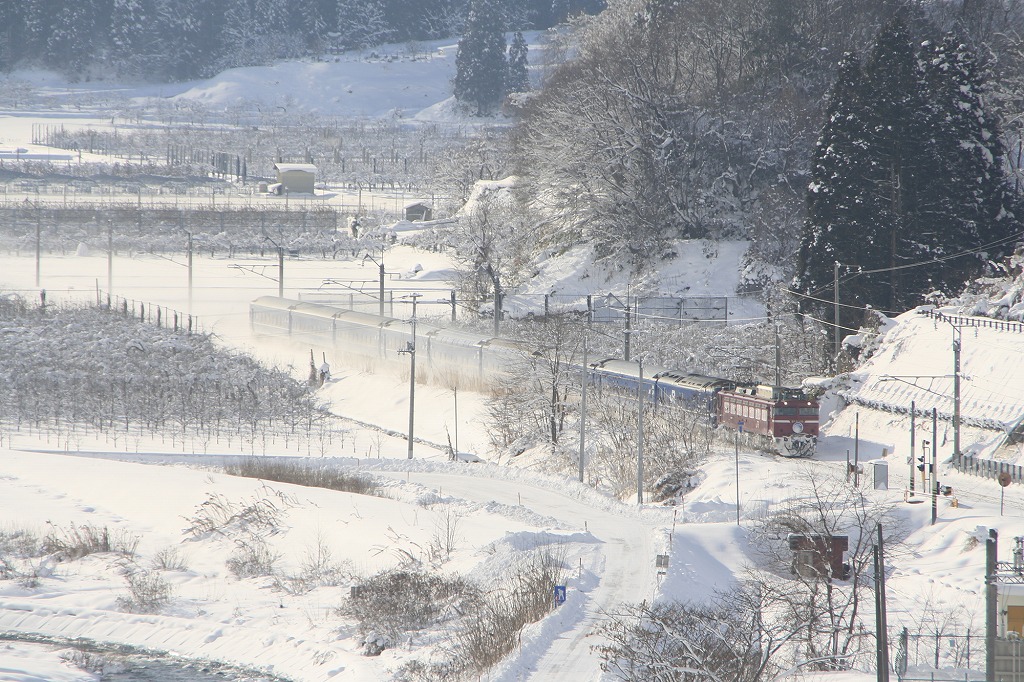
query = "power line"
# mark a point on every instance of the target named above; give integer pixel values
(931, 261)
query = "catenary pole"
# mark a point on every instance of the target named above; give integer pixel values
(583, 407)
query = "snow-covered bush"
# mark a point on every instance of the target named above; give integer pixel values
(311, 473)
(148, 592)
(397, 601)
(75, 542)
(252, 557)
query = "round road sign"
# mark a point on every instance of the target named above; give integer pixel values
(1005, 479)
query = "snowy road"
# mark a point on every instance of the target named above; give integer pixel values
(622, 569)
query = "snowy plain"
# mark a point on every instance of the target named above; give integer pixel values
(151, 490)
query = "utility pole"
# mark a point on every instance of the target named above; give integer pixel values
(583, 405)
(628, 330)
(736, 452)
(189, 273)
(956, 395)
(380, 292)
(39, 251)
(935, 465)
(835, 306)
(411, 350)
(913, 454)
(640, 433)
(778, 356)
(110, 256)
(881, 619)
(856, 450)
(380, 278)
(991, 603)
(280, 272)
(497, 306)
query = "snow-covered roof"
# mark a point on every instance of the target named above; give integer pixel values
(284, 167)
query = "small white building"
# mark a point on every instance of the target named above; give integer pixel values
(296, 178)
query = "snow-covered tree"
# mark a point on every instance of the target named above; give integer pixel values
(72, 35)
(362, 23)
(518, 78)
(973, 199)
(907, 174)
(480, 65)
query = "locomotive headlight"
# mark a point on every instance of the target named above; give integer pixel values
(798, 427)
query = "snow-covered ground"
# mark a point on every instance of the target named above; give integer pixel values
(146, 489)
(502, 512)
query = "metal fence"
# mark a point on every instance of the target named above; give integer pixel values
(613, 309)
(989, 468)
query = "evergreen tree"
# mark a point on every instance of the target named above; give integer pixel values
(559, 10)
(480, 64)
(71, 37)
(133, 36)
(901, 148)
(974, 202)
(11, 23)
(518, 78)
(362, 23)
(843, 208)
(307, 22)
(908, 171)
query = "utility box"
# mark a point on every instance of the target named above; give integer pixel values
(881, 475)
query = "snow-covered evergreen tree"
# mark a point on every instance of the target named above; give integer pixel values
(362, 23)
(973, 199)
(307, 22)
(480, 65)
(842, 205)
(518, 79)
(907, 174)
(72, 35)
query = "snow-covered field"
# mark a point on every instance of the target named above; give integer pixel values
(502, 511)
(155, 492)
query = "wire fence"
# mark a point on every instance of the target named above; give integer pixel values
(151, 313)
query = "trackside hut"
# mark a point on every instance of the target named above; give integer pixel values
(296, 178)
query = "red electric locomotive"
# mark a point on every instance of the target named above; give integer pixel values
(778, 418)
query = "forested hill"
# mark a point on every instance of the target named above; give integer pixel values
(175, 40)
(702, 119)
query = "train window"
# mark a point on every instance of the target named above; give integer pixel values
(809, 411)
(785, 411)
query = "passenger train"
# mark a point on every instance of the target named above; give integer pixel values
(775, 418)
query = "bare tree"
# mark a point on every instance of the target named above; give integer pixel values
(828, 606)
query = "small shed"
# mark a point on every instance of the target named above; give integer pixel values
(296, 178)
(418, 210)
(819, 556)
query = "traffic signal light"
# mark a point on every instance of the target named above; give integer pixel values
(922, 467)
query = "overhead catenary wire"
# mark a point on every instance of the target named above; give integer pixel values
(931, 261)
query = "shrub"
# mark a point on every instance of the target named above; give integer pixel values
(492, 622)
(301, 472)
(252, 558)
(76, 542)
(220, 516)
(171, 559)
(493, 629)
(397, 601)
(20, 543)
(317, 569)
(148, 592)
